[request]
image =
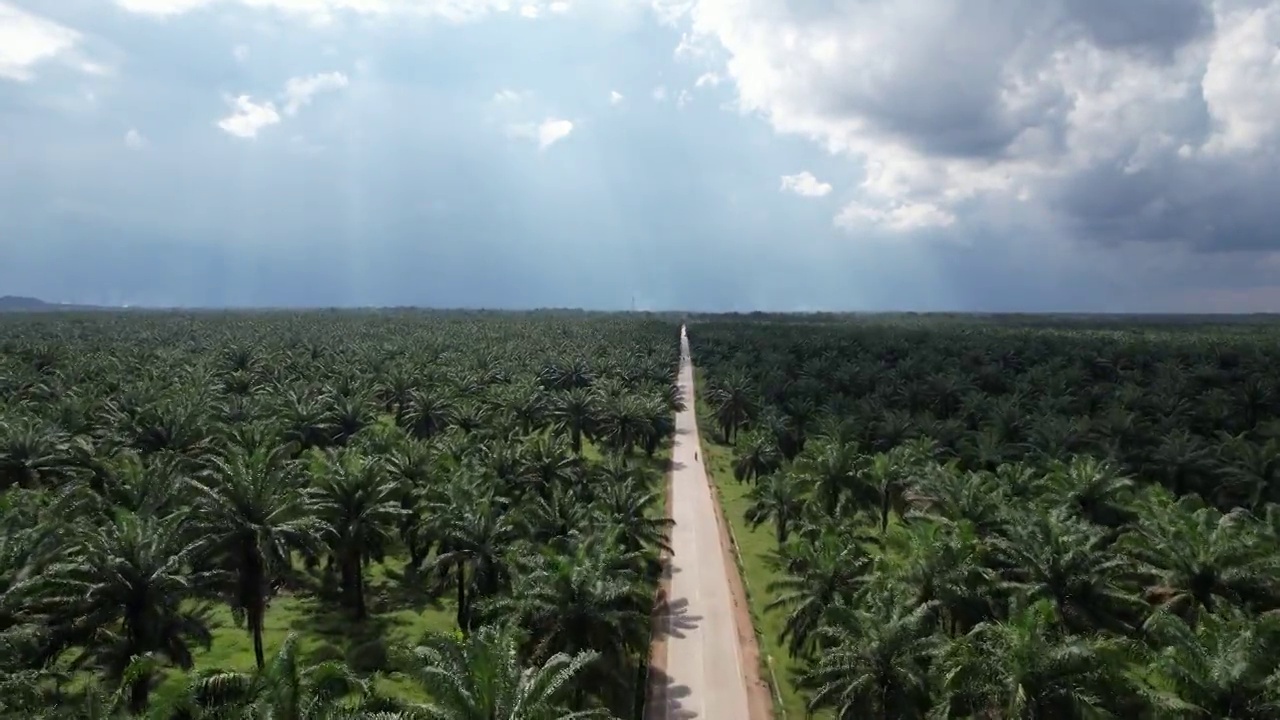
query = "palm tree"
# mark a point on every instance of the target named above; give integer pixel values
(1028, 669)
(1192, 557)
(732, 405)
(875, 659)
(778, 498)
(576, 411)
(123, 590)
(833, 471)
(755, 456)
(1227, 666)
(1071, 564)
(1092, 488)
(476, 535)
(250, 514)
(284, 690)
(480, 677)
(623, 421)
(360, 505)
(591, 599)
(632, 510)
(33, 454)
(946, 563)
(819, 573)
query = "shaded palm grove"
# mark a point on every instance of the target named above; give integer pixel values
(417, 515)
(990, 521)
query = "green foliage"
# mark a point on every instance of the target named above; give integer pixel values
(989, 519)
(262, 514)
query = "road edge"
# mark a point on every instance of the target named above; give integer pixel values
(760, 705)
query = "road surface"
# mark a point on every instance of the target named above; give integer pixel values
(704, 664)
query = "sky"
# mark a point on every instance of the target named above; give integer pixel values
(720, 155)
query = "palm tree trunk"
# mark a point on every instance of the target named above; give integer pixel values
(361, 610)
(259, 655)
(140, 694)
(463, 623)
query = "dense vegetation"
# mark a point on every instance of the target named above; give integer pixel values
(1003, 521)
(330, 515)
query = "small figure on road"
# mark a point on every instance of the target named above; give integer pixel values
(695, 454)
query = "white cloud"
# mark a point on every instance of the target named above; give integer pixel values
(507, 96)
(684, 98)
(553, 130)
(240, 53)
(804, 183)
(248, 117)
(27, 40)
(323, 12)
(615, 97)
(1241, 85)
(134, 139)
(708, 79)
(660, 93)
(298, 91)
(546, 133)
(903, 217)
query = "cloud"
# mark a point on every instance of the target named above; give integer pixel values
(615, 97)
(298, 91)
(26, 40)
(904, 217)
(507, 96)
(708, 79)
(134, 139)
(546, 133)
(552, 131)
(804, 183)
(240, 53)
(248, 117)
(660, 93)
(325, 11)
(1143, 121)
(684, 98)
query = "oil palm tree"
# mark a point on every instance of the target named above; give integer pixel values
(480, 677)
(250, 514)
(360, 507)
(1026, 668)
(126, 589)
(285, 689)
(875, 659)
(777, 498)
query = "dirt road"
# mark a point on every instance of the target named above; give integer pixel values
(704, 667)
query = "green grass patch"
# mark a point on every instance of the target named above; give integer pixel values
(401, 610)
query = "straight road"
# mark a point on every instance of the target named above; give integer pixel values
(704, 666)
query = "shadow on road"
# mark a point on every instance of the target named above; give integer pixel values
(665, 698)
(676, 619)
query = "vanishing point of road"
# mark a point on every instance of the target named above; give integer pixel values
(704, 664)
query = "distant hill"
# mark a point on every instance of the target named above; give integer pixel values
(16, 303)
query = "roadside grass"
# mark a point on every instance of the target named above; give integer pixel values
(757, 547)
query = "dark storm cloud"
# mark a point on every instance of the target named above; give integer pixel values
(1158, 28)
(1209, 204)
